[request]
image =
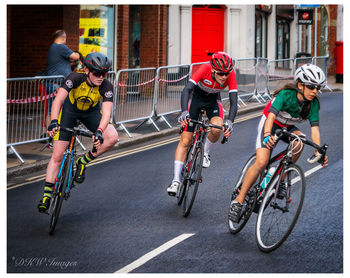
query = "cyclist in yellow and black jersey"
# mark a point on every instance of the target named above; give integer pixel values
(79, 99)
(82, 95)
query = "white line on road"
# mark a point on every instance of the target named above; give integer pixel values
(308, 173)
(150, 255)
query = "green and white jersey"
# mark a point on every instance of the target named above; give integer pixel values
(287, 109)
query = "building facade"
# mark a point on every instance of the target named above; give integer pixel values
(157, 35)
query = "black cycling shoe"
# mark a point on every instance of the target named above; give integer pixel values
(282, 190)
(235, 212)
(44, 204)
(80, 172)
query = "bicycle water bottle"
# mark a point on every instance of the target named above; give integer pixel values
(267, 178)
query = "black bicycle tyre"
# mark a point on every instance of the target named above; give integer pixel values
(235, 228)
(197, 165)
(60, 196)
(267, 198)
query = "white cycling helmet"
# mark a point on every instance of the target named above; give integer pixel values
(309, 74)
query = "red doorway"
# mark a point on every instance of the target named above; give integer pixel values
(207, 31)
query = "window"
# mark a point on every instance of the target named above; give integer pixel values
(261, 17)
(324, 47)
(283, 46)
(96, 29)
(134, 36)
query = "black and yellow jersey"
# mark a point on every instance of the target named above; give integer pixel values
(84, 96)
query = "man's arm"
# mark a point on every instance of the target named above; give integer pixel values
(74, 56)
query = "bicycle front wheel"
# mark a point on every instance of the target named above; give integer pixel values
(59, 195)
(193, 180)
(249, 201)
(277, 217)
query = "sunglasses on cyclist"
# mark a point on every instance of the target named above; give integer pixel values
(222, 73)
(99, 73)
(313, 87)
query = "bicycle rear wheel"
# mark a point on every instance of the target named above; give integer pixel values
(193, 180)
(59, 196)
(249, 201)
(277, 218)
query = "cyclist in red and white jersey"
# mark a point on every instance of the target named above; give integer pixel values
(203, 91)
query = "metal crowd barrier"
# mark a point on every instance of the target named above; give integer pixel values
(281, 72)
(134, 97)
(323, 62)
(298, 62)
(170, 81)
(262, 79)
(27, 109)
(141, 94)
(246, 78)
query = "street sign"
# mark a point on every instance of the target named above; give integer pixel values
(309, 6)
(305, 17)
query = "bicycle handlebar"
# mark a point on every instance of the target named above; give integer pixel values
(204, 125)
(321, 150)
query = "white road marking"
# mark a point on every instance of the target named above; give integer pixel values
(150, 255)
(308, 173)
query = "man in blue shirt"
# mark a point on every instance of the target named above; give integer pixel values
(58, 56)
(58, 62)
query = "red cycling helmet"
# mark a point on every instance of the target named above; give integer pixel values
(221, 62)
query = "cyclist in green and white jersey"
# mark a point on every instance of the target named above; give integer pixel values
(293, 104)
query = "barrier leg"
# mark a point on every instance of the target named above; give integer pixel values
(165, 120)
(125, 129)
(16, 153)
(81, 144)
(150, 121)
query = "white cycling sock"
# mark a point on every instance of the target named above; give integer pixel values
(177, 170)
(207, 145)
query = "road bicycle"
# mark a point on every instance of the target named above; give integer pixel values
(191, 174)
(65, 178)
(277, 215)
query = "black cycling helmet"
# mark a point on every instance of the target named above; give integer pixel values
(97, 62)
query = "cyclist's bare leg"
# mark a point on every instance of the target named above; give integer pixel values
(262, 158)
(59, 147)
(215, 133)
(184, 144)
(110, 138)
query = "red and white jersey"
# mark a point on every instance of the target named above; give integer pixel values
(204, 80)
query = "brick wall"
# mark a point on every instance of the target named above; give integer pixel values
(332, 37)
(30, 28)
(122, 37)
(153, 46)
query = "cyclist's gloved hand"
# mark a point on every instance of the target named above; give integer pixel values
(229, 126)
(184, 116)
(266, 139)
(98, 136)
(53, 125)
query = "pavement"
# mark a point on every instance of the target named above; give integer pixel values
(36, 159)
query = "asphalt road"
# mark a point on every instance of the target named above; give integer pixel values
(122, 212)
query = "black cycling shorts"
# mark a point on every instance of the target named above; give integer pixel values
(212, 105)
(69, 115)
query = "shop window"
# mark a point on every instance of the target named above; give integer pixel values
(96, 29)
(283, 44)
